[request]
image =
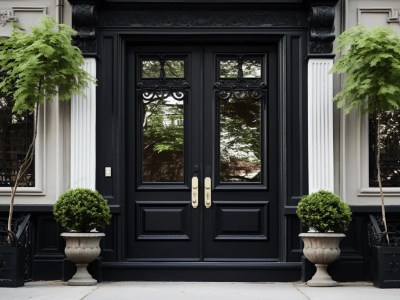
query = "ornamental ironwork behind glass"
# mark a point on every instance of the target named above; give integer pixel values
(390, 150)
(15, 137)
(162, 92)
(240, 92)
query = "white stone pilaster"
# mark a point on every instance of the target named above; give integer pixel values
(320, 125)
(83, 134)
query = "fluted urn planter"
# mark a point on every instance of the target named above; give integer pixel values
(81, 249)
(321, 249)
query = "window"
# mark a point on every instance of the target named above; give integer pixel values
(240, 92)
(163, 93)
(15, 137)
(390, 150)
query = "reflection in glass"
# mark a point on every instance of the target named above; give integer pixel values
(151, 68)
(174, 69)
(228, 68)
(163, 139)
(16, 133)
(240, 140)
(390, 150)
(251, 68)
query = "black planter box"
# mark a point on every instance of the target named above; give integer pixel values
(386, 266)
(385, 252)
(12, 264)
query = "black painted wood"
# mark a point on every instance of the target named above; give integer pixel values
(162, 225)
(123, 27)
(205, 271)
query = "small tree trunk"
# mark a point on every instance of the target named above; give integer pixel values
(378, 169)
(26, 163)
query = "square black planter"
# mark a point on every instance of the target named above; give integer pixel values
(385, 253)
(386, 266)
(12, 263)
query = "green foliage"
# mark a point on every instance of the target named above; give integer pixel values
(324, 211)
(81, 210)
(41, 64)
(372, 66)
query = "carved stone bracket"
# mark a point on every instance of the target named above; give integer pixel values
(84, 21)
(322, 17)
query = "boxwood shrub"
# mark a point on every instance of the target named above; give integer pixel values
(324, 211)
(81, 210)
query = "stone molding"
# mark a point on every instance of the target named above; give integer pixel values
(393, 15)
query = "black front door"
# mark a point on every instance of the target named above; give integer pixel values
(202, 153)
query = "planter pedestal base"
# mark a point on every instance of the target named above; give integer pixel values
(82, 276)
(321, 277)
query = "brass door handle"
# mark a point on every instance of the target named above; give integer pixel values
(207, 192)
(195, 192)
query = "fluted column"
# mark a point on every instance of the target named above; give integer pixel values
(83, 133)
(320, 125)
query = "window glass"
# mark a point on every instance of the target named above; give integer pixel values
(163, 137)
(390, 150)
(174, 69)
(15, 137)
(240, 139)
(151, 68)
(251, 68)
(228, 68)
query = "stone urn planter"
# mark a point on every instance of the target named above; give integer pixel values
(321, 249)
(327, 217)
(81, 249)
(82, 211)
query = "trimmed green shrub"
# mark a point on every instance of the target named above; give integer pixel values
(81, 210)
(324, 211)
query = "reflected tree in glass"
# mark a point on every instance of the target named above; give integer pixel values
(163, 139)
(16, 131)
(240, 140)
(390, 149)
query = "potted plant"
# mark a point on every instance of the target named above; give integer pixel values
(327, 217)
(371, 63)
(81, 212)
(36, 67)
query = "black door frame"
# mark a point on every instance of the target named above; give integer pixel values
(291, 41)
(221, 38)
(266, 240)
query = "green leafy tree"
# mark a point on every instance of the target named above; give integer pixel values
(371, 63)
(38, 66)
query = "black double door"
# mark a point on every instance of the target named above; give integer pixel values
(202, 153)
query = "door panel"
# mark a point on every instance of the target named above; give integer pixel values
(162, 153)
(207, 112)
(241, 154)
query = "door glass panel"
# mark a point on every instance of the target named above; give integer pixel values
(228, 68)
(240, 139)
(251, 68)
(162, 91)
(240, 95)
(174, 69)
(151, 68)
(163, 136)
